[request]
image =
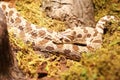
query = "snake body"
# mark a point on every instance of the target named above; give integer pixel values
(67, 42)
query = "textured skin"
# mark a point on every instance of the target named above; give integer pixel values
(67, 42)
(91, 37)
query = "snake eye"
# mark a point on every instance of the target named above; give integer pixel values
(48, 9)
(61, 38)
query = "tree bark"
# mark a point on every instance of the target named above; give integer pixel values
(85, 11)
(73, 12)
(6, 56)
(8, 64)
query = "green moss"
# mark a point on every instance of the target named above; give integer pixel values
(36, 15)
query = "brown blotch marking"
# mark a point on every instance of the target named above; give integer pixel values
(70, 37)
(43, 42)
(101, 27)
(48, 38)
(49, 48)
(10, 13)
(27, 42)
(75, 47)
(6, 13)
(34, 34)
(97, 41)
(12, 20)
(66, 51)
(79, 35)
(50, 31)
(96, 32)
(66, 40)
(20, 27)
(18, 14)
(88, 35)
(18, 20)
(28, 24)
(33, 43)
(90, 48)
(28, 27)
(59, 46)
(10, 5)
(42, 32)
(22, 35)
(85, 31)
(74, 33)
(3, 7)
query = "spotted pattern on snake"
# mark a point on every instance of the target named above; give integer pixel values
(55, 42)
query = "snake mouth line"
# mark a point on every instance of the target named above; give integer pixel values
(78, 44)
